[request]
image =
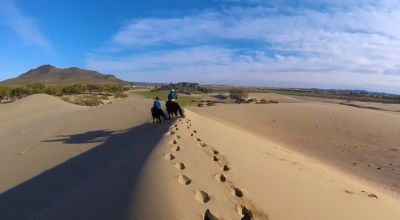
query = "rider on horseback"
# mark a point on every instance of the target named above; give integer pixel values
(172, 105)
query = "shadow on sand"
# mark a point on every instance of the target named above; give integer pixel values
(96, 184)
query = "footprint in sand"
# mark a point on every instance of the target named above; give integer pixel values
(177, 136)
(215, 151)
(201, 144)
(173, 142)
(180, 166)
(176, 128)
(198, 139)
(237, 192)
(225, 168)
(172, 132)
(169, 157)
(176, 148)
(243, 210)
(215, 158)
(184, 180)
(209, 216)
(202, 196)
(194, 131)
(221, 177)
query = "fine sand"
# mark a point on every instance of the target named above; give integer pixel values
(61, 161)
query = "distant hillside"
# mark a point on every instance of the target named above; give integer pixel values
(48, 74)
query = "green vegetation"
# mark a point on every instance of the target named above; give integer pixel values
(238, 94)
(183, 100)
(263, 101)
(10, 94)
(210, 103)
(200, 105)
(185, 88)
(120, 95)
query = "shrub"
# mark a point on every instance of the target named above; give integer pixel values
(124, 96)
(238, 94)
(221, 96)
(273, 101)
(92, 102)
(211, 103)
(104, 97)
(200, 105)
(263, 100)
(188, 93)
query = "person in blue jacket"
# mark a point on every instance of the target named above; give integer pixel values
(157, 107)
(172, 95)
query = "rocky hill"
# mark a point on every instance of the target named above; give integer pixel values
(48, 74)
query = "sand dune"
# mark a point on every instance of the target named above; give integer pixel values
(60, 161)
(361, 142)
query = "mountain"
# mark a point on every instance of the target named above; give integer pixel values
(48, 74)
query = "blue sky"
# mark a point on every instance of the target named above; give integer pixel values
(342, 44)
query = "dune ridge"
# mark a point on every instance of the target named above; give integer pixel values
(120, 165)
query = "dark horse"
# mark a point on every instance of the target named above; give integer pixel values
(173, 108)
(157, 113)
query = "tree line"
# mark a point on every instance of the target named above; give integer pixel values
(185, 87)
(10, 93)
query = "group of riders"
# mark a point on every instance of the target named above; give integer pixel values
(171, 105)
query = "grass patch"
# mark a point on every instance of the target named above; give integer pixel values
(183, 100)
(104, 97)
(121, 95)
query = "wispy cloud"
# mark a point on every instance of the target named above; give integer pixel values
(25, 27)
(345, 44)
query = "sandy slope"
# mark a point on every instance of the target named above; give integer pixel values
(60, 161)
(361, 142)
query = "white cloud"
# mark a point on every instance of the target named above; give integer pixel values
(24, 27)
(353, 44)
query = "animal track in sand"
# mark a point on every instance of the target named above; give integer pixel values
(184, 180)
(175, 148)
(214, 151)
(169, 157)
(194, 131)
(202, 196)
(237, 192)
(177, 136)
(176, 128)
(225, 168)
(173, 142)
(215, 158)
(209, 216)
(180, 166)
(243, 210)
(220, 177)
(198, 139)
(172, 132)
(201, 144)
